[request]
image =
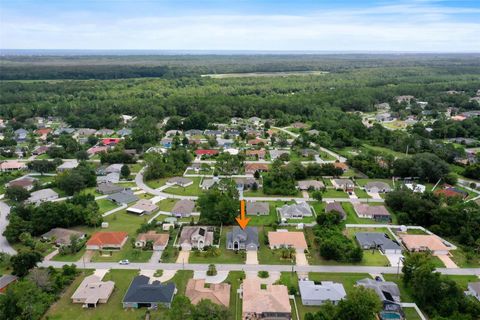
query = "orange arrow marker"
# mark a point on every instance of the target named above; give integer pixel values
(242, 221)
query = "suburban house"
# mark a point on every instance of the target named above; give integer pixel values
(341, 165)
(451, 192)
(247, 183)
(61, 236)
(171, 133)
(93, 291)
(473, 289)
(257, 208)
(67, 165)
(379, 213)
(116, 168)
(183, 208)
(142, 293)
(206, 152)
(12, 165)
(377, 187)
(5, 281)
(377, 240)
(308, 152)
(343, 184)
(113, 240)
(40, 150)
(109, 188)
(207, 184)
(112, 177)
(196, 237)
(287, 239)
(270, 303)
(416, 187)
(389, 294)
(336, 206)
(20, 134)
(179, 181)
(124, 132)
(251, 168)
(97, 149)
(258, 154)
(317, 294)
(310, 185)
(166, 142)
(42, 195)
(159, 240)
(218, 293)
(26, 183)
(123, 197)
(425, 242)
(143, 206)
(257, 141)
(274, 154)
(243, 239)
(295, 211)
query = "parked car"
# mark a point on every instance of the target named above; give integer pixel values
(124, 262)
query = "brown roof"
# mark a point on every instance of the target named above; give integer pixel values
(24, 182)
(106, 238)
(260, 153)
(257, 300)
(159, 239)
(418, 242)
(13, 164)
(294, 239)
(217, 293)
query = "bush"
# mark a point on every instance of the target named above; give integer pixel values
(263, 274)
(212, 270)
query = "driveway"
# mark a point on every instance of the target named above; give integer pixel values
(4, 245)
(394, 259)
(155, 256)
(374, 195)
(447, 261)
(252, 257)
(300, 258)
(183, 256)
(218, 278)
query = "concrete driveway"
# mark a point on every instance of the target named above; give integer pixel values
(183, 256)
(155, 256)
(447, 261)
(374, 195)
(300, 258)
(394, 259)
(252, 257)
(4, 245)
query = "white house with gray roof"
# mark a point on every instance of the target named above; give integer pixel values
(377, 240)
(243, 239)
(318, 294)
(40, 196)
(295, 211)
(377, 187)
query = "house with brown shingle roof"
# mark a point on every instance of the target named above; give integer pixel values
(270, 303)
(425, 242)
(260, 154)
(379, 213)
(336, 206)
(218, 293)
(251, 168)
(159, 240)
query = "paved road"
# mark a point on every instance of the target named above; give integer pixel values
(4, 245)
(245, 267)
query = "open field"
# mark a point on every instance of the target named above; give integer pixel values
(264, 74)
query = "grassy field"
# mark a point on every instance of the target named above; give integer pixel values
(267, 220)
(352, 217)
(332, 193)
(192, 190)
(259, 193)
(363, 182)
(347, 279)
(225, 256)
(362, 193)
(461, 259)
(105, 205)
(166, 205)
(411, 314)
(156, 183)
(127, 252)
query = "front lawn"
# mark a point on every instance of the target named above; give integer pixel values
(270, 219)
(332, 193)
(166, 205)
(362, 193)
(127, 252)
(105, 205)
(267, 255)
(192, 190)
(464, 260)
(352, 217)
(157, 183)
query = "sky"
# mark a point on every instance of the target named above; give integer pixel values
(266, 25)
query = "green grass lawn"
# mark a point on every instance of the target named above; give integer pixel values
(105, 205)
(384, 151)
(136, 167)
(91, 190)
(192, 190)
(411, 314)
(225, 256)
(362, 193)
(157, 183)
(70, 257)
(166, 205)
(363, 182)
(332, 193)
(347, 279)
(127, 252)
(170, 253)
(235, 278)
(259, 193)
(180, 279)
(463, 261)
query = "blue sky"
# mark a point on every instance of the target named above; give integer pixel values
(403, 25)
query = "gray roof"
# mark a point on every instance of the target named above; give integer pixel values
(296, 209)
(335, 206)
(140, 291)
(61, 235)
(256, 207)
(179, 180)
(274, 154)
(6, 280)
(123, 197)
(386, 290)
(109, 188)
(378, 184)
(183, 207)
(306, 184)
(475, 286)
(369, 240)
(248, 236)
(326, 290)
(41, 195)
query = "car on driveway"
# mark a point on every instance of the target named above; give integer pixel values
(124, 262)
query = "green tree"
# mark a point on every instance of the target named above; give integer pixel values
(125, 171)
(361, 304)
(24, 261)
(17, 193)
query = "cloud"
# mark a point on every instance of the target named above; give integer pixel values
(405, 26)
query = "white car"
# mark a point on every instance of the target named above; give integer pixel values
(124, 262)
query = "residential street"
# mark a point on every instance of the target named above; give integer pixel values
(4, 245)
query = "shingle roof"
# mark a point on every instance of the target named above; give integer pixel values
(106, 238)
(249, 235)
(374, 240)
(386, 290)
(256, 300)
(335, 206)
(256, 207)
(296, 209)
(326, 290)
(183, 207)
(294, 239)
(217, 293)
(125, 197)
(140, 291)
